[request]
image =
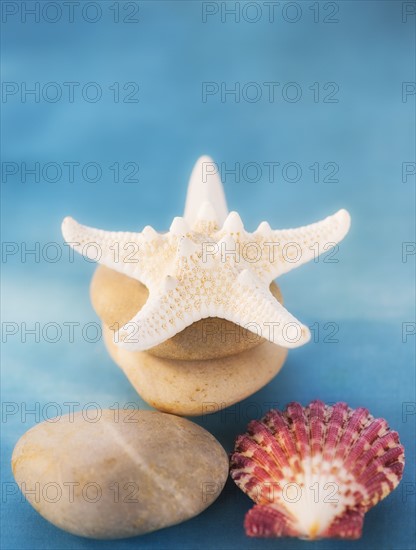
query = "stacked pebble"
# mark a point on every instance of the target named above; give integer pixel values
(210, 365)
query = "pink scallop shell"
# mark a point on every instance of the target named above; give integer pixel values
(314, 471)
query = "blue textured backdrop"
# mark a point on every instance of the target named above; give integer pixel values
(367, 50)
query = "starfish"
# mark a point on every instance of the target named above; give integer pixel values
(208, 265)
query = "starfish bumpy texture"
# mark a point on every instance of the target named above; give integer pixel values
(208, 265)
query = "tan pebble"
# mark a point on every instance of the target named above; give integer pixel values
(116, 298)
(193, 388)
(129, 473)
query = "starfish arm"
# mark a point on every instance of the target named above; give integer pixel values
(205, 187)
(163, 316)
(117, 250)
(253, 307)
(286, 249)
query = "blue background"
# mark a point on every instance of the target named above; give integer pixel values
(170, 52)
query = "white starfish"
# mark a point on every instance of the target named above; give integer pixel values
(207, 265)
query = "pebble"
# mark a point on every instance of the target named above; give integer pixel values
(124, 474)
(199, 387)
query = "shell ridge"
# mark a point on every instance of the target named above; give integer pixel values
(279, 426)
(268, 521)
(358, 452)
(338, 419)
(323, 472)
(268, 439)
(348, 526)
(318, 412)
(352, 428)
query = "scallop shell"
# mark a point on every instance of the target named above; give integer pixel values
(314, 471)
